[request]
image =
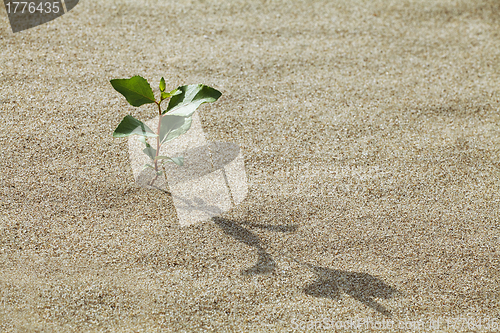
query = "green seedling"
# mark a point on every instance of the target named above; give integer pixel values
(174, 121)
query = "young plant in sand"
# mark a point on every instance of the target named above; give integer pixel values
(174, 121)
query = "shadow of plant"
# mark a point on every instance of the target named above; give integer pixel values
(329, 283)
(265, 263)
(363, 287)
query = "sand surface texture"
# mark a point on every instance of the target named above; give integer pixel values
(370, 132)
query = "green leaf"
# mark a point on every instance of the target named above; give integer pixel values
(173, 126)
(150, 151)
(159, 173)
(190, 98)
(143, 140)
(177, 160)
(174, 92)
(162, 85)
(147, 166)
(136, 90)
(131, 126)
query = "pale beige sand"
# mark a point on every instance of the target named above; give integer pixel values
(371, 137)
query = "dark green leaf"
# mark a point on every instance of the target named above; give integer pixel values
(131, 126)
(190, 98)
(136, 90)
(173, 126)
(162, 85)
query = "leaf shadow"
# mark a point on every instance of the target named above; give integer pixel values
(363, 287)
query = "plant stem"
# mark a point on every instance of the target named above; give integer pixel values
(158, 137)
(157, 143)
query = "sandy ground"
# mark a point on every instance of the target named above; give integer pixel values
(370, 131)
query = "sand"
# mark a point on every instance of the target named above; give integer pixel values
(370, 131)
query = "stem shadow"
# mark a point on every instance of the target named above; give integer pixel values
(265, 263)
